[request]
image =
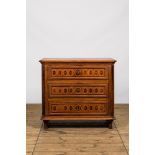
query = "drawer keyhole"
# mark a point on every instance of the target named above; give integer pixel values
(77, 90)
(77, 72)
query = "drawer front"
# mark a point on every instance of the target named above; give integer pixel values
(77, 71)
(81, 90)
(78, 108)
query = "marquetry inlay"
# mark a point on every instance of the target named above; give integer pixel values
(78, 108)
(77, 72)
(78, 90)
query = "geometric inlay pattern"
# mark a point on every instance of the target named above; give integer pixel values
(79, 108)
(77, 72)
(78, 90)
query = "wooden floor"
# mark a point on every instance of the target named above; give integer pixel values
(77, 140)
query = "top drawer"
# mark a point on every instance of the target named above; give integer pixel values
(77, 70)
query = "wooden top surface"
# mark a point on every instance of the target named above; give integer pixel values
(77, 60)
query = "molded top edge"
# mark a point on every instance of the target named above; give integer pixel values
(111, 60)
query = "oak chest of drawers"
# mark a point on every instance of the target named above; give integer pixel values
(78, 90)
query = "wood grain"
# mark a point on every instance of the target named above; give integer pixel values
(122, 123)
(81, 153)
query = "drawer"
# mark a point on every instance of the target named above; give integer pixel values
(80, 90)
(77, 108)
(77, 71)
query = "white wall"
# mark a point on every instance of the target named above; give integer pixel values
(77, 29)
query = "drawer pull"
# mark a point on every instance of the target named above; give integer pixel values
(77, 90)
(77, 72)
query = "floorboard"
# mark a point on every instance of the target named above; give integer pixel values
(77, 140)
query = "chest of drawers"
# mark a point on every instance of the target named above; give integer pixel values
(77, 90)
